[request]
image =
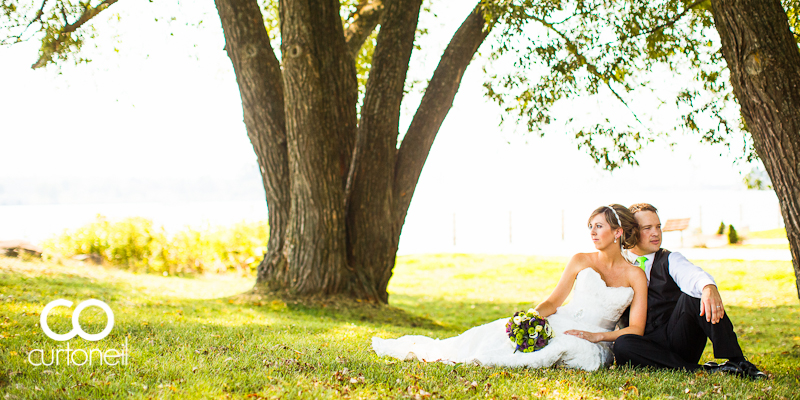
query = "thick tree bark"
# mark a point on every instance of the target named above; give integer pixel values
(258, 74)
(764, 63)
(320, 93)
(369, 213)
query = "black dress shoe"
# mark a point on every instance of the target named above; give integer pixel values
(745, 369)
(728, 367)
(750, 371)
(710, 366)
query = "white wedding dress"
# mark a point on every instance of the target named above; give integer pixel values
(595, 307)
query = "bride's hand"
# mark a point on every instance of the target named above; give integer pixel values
(590, 336)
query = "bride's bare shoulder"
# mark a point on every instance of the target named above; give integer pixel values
(636, 274)
(583, 259)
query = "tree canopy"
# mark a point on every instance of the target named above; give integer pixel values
(560, 49)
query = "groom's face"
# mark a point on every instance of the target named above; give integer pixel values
(649, 232)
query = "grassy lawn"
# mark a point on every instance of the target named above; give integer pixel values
(779, 233)
(202, 338)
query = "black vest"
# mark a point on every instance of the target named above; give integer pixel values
(662, 293)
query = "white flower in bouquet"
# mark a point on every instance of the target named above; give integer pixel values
(527, 331)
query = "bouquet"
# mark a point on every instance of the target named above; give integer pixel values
(528, 331)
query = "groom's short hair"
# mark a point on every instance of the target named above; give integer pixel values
(642, 207)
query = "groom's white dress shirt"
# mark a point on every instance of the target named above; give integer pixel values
(690, 278)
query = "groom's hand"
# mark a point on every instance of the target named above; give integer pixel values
(711, 304)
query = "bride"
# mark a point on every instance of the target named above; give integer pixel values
(605, 285)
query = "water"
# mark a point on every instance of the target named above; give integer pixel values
(546, 224)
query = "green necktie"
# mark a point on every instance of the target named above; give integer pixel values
(641, 261)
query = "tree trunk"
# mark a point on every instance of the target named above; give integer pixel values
(764, 63)
(371, 233)
(320, 93)
(258, 74)
(337, 193)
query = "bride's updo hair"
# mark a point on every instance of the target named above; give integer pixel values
(630, 229)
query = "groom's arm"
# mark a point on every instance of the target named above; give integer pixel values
(690, 278)
(695, 282)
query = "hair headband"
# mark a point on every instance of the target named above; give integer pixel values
(616, 215)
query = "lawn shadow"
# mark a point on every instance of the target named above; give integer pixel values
(341, 309)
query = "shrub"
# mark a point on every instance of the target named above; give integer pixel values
(136, 244)
(721, 229)
(733, 237)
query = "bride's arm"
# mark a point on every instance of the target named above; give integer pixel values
(564, 286)
(638, 315)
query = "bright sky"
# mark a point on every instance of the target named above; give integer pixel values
(169, 106)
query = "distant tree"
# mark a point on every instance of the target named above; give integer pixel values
(721, 229)
(757, 179)
(733, 237)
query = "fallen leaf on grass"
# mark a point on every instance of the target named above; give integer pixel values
(417, 392)
(633, 389)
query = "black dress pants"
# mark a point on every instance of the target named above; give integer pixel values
(680, 342)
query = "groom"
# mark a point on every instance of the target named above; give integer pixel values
(684, 308)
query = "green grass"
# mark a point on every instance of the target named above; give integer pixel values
(779, 233)
(205, 337)
(770, 246)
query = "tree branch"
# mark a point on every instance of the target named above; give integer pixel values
(670, 22)
(591, 68)
(88, 13)
(51, 46)
(371, 176)
(673, 20)
(38, 17)
(433, 109)
(362, 22)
